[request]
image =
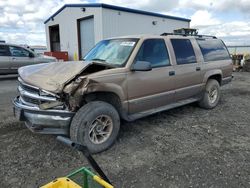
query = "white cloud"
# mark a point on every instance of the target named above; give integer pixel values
(217, 5)
(203, 18)
(21, 21)
(197, 4)
(155, 5)
(8, 18)
(230, 32)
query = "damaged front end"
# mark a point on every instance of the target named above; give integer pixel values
(74, 91)
(51, 112)
(36, 97)
(42, 111)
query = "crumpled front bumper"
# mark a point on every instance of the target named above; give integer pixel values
(43, 121)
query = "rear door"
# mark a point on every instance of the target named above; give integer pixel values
(20, 57)
(151, 89)
(188, 76)
(4, 59)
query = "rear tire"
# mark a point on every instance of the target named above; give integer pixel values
(211, 95)
(95, 125)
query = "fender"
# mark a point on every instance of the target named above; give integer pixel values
(107, 87)
(115, 89)
(211, 73)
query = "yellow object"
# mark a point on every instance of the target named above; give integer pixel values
(75, 57)
(61, 183)
(102, 182)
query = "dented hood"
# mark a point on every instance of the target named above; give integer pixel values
(52, 76)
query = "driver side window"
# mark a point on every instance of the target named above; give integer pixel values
(18, 52)
(155, 52)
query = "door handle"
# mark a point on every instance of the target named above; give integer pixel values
(13, 58)
(198, 68)
(171, 73)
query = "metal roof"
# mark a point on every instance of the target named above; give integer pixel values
(102, 5)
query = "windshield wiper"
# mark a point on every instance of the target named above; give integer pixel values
(104, 62)
(97, 59)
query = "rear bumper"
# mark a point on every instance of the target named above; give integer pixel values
(43, 121)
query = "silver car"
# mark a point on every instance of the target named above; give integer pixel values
(13, 57)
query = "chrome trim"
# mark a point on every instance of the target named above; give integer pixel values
(34, 87)
(39, 118)
(43, 121)
(36, 108)
(49, 93)
(27, 103)
(34, 96)
(22, 82)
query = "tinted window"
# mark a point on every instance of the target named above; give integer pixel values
(213, 50)
(18, 52)
(4, 50)
(155, 52)
(184, 51)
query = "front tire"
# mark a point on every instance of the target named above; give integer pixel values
(95, 125)
(211, 95)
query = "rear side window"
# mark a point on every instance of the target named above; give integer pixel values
(184, 51)
(213, 50)
(155, 52)
(4, 50)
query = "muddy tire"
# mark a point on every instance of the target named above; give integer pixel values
(95, 125)
(211, 95)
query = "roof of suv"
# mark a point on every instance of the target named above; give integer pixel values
(164, 35)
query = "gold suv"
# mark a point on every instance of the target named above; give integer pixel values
(121, 78)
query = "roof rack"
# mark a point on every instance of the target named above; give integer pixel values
(188, 32)
(184, 35)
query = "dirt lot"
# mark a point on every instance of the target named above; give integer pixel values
(184, 147)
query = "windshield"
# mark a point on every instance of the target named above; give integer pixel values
(114, 52)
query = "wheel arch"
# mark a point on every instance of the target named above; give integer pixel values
(109, 97)
(214, 74)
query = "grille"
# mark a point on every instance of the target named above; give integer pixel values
(32, 101)
(31, 95)
(29, 89)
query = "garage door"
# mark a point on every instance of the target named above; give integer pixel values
(86, 35)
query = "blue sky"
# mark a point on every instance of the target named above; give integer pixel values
(21, 21)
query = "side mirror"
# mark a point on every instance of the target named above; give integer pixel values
(141, 66)
(31, 55)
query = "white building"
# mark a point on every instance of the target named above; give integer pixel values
(76, 28)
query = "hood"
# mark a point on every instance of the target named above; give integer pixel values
(53, 76)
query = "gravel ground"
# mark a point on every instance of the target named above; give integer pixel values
(183, 147)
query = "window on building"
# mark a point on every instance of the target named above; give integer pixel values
(155, 52)
(184, 51)
(213, 50)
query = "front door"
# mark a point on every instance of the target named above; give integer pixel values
(151, 89)
(20, 57)
(4, 59)
(87, 39)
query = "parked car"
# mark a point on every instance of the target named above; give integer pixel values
(121, 78)
(13, 57)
